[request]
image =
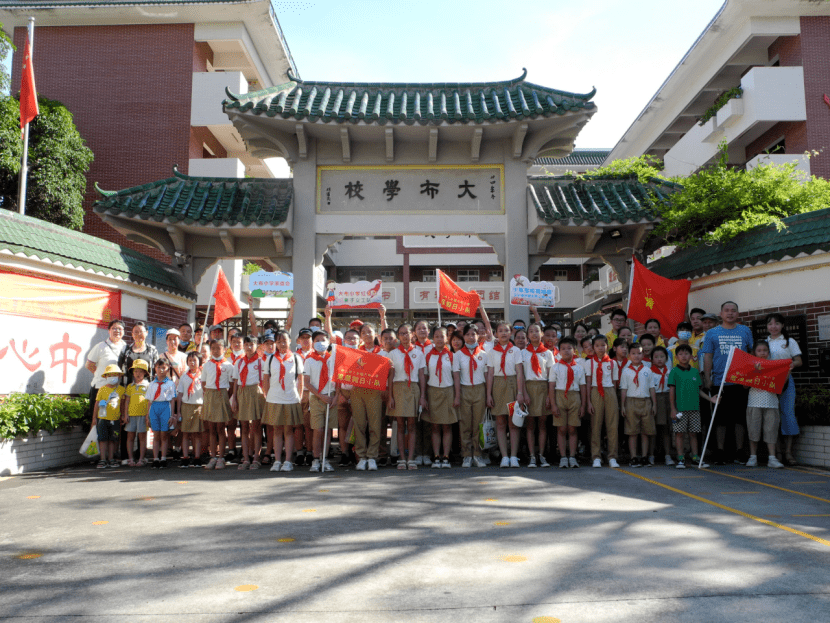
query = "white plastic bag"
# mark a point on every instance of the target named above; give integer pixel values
(487, 432)
(89, 448)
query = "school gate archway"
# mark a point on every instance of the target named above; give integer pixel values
(393, 159)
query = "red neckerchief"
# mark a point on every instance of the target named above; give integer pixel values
(282, 361)
(375, 350)
(503, 352)
(662, 371)
(218, 363)
(194, 377)
(620, 367)
(637, 374)
(534, 357)
(235, 358)
(440, 364)
(423, 346)
(570, 366)
(158, 389)
(407, 364)
(599, 362)
(243, 375)
(472, 355)
(324, 370)
(303, 355)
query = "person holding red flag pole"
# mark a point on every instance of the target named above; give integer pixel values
(319, 372)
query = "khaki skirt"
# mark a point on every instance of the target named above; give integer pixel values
(192, 418)
(441, 410)
(505, 389)
(282, 415)
(250, 403)
(406, 399)
(537, 394)
(217, 406)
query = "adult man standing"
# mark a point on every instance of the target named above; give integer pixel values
(716, 346)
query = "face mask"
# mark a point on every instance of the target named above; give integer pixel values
(112, 380)
(321, 347)
(350, 345)
(684, 335)
(238, 352)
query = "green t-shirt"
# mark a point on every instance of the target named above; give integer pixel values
(687, 384)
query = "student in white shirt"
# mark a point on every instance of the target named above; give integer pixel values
(248, 402)
(443, 396)
(470, 366)
(639, 404)
(282, 383)
(567, 398)
(216, 410)
(406, 394)
(505, 384)
(537, 361)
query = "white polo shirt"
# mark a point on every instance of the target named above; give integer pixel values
(546, 362)
(512, 356)
(559, 376)
(646, 382)
(447, 359)
(461, 363)
(415, 355)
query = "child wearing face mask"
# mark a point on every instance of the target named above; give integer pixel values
(684, 335)
(323, 394)
(106, 416)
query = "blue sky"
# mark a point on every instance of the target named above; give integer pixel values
(625, 49)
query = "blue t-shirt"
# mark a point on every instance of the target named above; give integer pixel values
(718, 342)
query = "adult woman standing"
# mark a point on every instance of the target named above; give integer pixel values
(110, 351)
(782, 346)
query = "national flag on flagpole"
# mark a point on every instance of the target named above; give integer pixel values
(361, 369)
(769, 375)
(452, 298)
(653, 296)
(28, 95)
(226, 305)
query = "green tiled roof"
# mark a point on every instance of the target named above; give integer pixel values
(35, 238)
(577, 157)
(804, 234)
(203, 200)
(398, 103)
(598, 200)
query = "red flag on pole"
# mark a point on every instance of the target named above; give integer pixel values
(361, 369)
(226, 305)
(28, 94)
(766, 374)
(653, 296)
(454, 299)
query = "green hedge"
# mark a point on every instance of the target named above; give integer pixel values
(21, 414)
(812, 405)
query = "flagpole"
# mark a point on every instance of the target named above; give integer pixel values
(328, 407)
(438, 292)
(717, 403)
(206, 327)
(24, 163)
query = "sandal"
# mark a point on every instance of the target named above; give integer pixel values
(412, 465)
(401, 464)
(256, 465)
(141, 463)
(244, 465)
(130, 463)
(103, 464)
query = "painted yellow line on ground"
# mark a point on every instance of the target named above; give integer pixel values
(740, 492)
(764, 484)
(732, 510)
(808, 471)
(808, 482)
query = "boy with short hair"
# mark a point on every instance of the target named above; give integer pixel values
(647, 341)
(660, 372)
(639, 405)
(106, 416)
(603, 406)
(685, 391)
(567, 399)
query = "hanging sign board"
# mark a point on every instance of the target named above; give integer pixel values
(279, 284)
(524, 292)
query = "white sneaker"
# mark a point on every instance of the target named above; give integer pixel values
(288, 466)
(211, 464)
(436, 464)
(563, 463)
(486, 459)
(669, 460)
(467, 462)
(597, 463)
(651, 460)
(315, 466)
(327, 467)
(276, 466)
(752, 462)
(419, 460)
(479, 462)
(774, 463)
(543, 462)
(613, 463)
(514, 461)
(573, 463)
(532, 462)
(372, 465)
(505, 461)
(445, 464)
(427, 460)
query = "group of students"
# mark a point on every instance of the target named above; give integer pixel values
(281, 398)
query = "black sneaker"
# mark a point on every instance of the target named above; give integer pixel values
(185, 462)
(634, 462)
(196, 463)
(163, 464)
(344, 460)
(229, 457)
(644, 462)
(155, 464)
(393, 461)
(720, 457)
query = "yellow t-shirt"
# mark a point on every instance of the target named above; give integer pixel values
(139, 406)
(610, 337)
(673, 362)
(113, 397)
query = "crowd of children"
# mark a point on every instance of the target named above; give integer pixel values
(657, 393)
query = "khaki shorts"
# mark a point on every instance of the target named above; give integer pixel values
(217, 406)
(318, 413)
(441, 410)
(250, 403)
(537, 394)
(504, 392)
(638, 417)
(763, 419)
(192, 418)
(282, 415)
(568, 408)
(663, 417)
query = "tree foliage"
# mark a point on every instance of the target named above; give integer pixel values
(6, 46)
(644, 167)
(58, 162)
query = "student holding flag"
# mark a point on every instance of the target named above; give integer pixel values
(323, 393)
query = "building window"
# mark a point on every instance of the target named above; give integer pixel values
(387, 275)
(468, 275)
(560, 275)
(358, 275)
(496, 275)
(429, 275)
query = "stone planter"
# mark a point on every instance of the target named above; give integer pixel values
(38, 452)
(812, 446)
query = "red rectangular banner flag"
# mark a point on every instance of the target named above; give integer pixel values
(653, 296)
(454, 299)
(226, 304)
(361, 369)
(766, 374)
(28, 94)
